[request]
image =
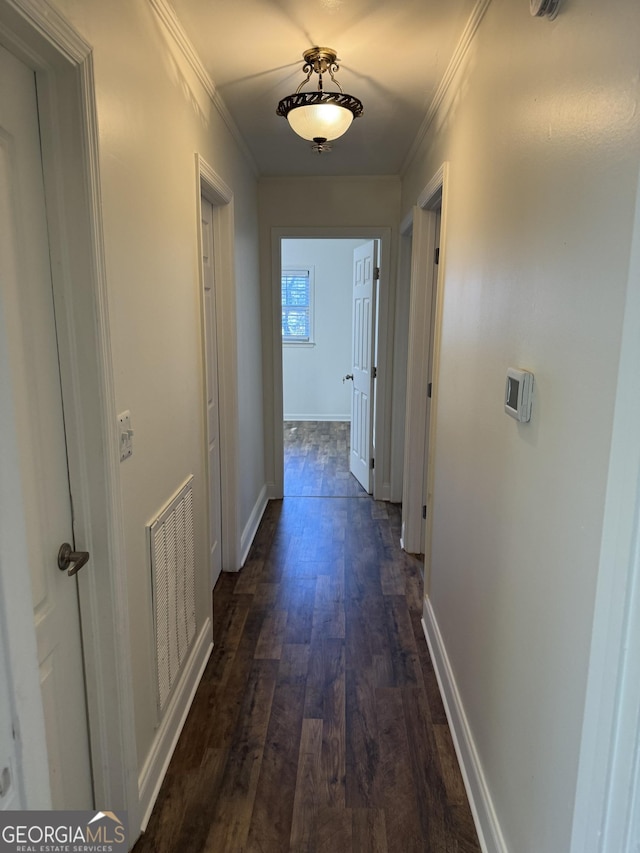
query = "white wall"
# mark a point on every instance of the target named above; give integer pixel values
(541, 130)
(312, 374)
(153, 116)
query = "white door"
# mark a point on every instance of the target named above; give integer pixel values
(26, 303)
(365, 266)
(211, 372)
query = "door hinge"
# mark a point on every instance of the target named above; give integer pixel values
(436, 258)
(372, 463)
(429, 389)
(424, 511)
(374, 372)
(376, 273)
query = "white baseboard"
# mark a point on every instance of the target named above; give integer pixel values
(157, 762)
(251, 527)
(484, 815)
(385, 492)
(341, 418)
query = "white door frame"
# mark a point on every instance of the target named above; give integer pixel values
(400, 352)
(381, 487)
(41, 38)
(215, 190)
(423, 226)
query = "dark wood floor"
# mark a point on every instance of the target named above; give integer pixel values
(318, 725)
(316, 455)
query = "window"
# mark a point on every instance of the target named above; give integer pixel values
(297, 306)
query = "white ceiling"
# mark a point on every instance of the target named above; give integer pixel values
(394, 54)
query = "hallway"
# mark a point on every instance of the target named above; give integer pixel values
(318, 724)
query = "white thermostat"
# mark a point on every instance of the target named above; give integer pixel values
(518, 394)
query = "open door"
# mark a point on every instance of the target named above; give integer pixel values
(365, 275)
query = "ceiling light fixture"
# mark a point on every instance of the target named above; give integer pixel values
(544, 8)
(320, 116)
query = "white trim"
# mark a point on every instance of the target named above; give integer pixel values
(251, 527)
(432, 190)
(330, 179)
(605, 814)
(64, 66)
(417, 429)
(439, 189)
(459, 54)
(384, 492)
(386, 315)
(167, 15)
(422, 283)
(214, 189)
(346, 418)
(400, 355)
(484, 814)
(44, 18)
(166, 739)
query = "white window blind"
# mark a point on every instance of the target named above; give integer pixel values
(297, 300)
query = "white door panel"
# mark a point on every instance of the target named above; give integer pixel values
(365, 262)
(27, 303)
(211, 373)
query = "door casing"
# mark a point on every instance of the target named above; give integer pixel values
(421, 349)
(209, 185)
(212, 397)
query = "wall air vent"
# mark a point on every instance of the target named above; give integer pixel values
(172, 551)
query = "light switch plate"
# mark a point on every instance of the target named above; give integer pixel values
(125, 435)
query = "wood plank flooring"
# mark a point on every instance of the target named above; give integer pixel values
(316, 457)
(318, 725)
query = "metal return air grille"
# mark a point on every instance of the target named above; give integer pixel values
(173, 583)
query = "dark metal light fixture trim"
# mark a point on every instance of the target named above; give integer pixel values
(301, 99)
(320, 116)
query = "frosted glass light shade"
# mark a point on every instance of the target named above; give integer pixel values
(320, 121)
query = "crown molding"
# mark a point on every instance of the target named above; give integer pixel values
(169, 18)
(355, 179)
(448, 77)
(43, 17)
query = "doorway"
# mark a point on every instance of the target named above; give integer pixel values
(220, 382)
(317, 284)
(422, 367)
(381, 427)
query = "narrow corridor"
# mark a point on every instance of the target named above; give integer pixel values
(318, 725)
